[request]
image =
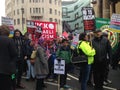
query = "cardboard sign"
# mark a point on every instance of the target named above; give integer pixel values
(88, 19)
(59, 66)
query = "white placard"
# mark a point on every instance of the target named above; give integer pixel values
(7, 21)
(59, 66)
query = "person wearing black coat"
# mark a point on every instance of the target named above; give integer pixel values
(103, 49)
(7, 58)
(20, 47)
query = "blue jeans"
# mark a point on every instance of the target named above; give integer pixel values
(30, 71)
(85, 71)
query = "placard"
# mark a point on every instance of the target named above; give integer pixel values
(88, 19)
(59, 66)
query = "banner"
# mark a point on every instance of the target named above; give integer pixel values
(46, 30)
(115, 23)
(8, 21)
(88, 19)
(104, 25)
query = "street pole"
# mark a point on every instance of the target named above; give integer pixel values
(22, 11)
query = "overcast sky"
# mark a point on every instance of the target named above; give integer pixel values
(2, 8)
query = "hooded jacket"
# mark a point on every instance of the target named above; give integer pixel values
(87, 50)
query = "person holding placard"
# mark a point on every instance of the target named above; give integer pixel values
(64, 53)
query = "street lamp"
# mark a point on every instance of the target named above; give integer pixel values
(22, 11)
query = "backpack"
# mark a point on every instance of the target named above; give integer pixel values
(78, 55)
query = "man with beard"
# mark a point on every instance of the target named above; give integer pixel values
(20, 47)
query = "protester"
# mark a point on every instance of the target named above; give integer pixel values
(116, 58)
(30, 61)
(7, 58)
(106, 80)
(41, 65)
(85, 49)
(20, 47)
(103, 48)
(52, 49)
(26, 41)
(64, 52)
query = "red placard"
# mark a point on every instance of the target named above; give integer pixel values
(39, 28)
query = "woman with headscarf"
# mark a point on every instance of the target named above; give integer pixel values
(41, 65)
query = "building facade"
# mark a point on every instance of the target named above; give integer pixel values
(72, 14)
(43, 10)
(105, 8)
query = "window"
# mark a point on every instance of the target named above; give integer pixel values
(64, 10)
(18, 21)
(50, 19)
(39, 10)
(42, 0)
(59, 2)
(30, 1)
(22, 1)
(36, 10)
(14, 12)
(36, 1)
(76, 15)
(56, 20)
(55, 2)
(17, 11)
(76, 7)
(55, 12)
(30, 10)
(22, 10)
(17, 1)
(33, 10)
(14, 22)
(59, 13)
(50, 10)
(76, 25)
(50, 1)
(42, 10)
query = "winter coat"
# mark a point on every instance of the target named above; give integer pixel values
(103, 48)
(20, 47)
(41, 63)
(87, 50)
(7, 56)
(29, 49)
(64, 53)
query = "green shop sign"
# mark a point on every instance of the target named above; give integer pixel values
(103, 24)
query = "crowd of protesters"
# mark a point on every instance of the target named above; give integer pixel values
(15, 59)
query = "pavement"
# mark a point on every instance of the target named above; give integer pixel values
(72, 81)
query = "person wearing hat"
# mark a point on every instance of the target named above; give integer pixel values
(103, 48)
(106, 80)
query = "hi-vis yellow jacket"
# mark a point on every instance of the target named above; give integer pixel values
(87, 50)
